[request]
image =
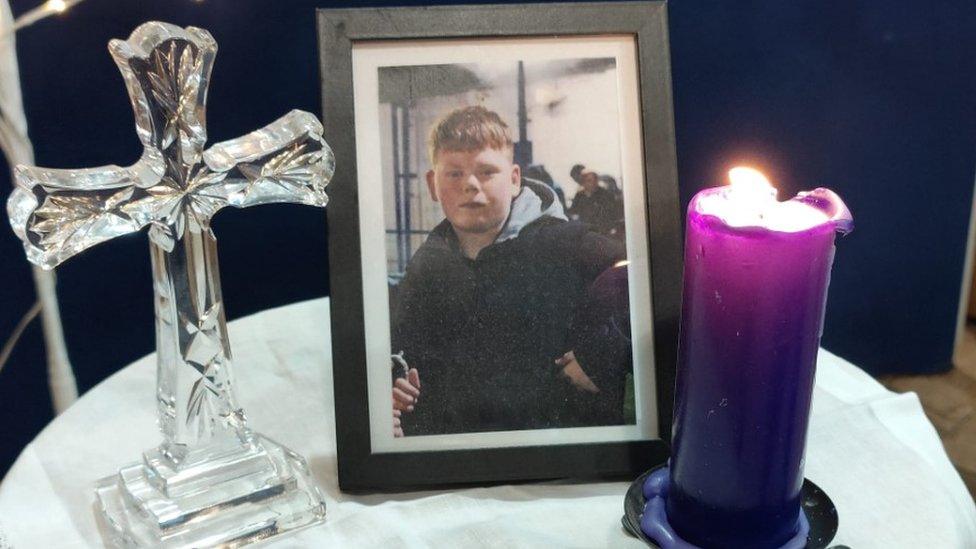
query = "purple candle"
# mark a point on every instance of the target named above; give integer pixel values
(755, 288)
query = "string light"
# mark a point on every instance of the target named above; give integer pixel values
(47, 9)
(57, 6)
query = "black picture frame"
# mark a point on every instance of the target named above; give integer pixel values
(360, 469)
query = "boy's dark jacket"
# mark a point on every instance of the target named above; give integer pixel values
(484, 334)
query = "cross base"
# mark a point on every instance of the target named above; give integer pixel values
(228, 497)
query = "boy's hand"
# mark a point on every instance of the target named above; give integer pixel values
(574, 372)
(397, 428)
(406, 391)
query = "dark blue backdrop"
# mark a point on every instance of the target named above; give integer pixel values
(875, 99)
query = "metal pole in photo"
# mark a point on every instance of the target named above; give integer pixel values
(17, 148)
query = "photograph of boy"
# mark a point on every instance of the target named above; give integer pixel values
(509, 316)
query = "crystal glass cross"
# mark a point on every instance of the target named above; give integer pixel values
(212, 480)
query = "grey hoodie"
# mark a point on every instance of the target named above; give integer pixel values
(535, 200)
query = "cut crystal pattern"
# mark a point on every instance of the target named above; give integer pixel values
(212, 480)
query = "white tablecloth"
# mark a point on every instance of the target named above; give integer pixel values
(871, 450)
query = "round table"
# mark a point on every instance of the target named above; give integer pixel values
(872, 451)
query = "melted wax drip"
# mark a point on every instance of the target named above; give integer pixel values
(654, 520)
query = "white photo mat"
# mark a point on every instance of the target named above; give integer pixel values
(367, 58)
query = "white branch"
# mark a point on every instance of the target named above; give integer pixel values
(29, 17)
(16, 146)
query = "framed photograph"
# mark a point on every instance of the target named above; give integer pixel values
(504, 241)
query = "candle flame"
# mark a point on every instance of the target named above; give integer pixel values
(749, 180)
(750, 186)
(750, 201)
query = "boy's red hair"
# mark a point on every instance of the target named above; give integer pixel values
(468, 129)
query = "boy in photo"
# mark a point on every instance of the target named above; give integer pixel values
(486, 322)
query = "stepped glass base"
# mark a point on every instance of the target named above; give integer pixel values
(226, 496)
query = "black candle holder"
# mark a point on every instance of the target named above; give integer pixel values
(819, 509)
